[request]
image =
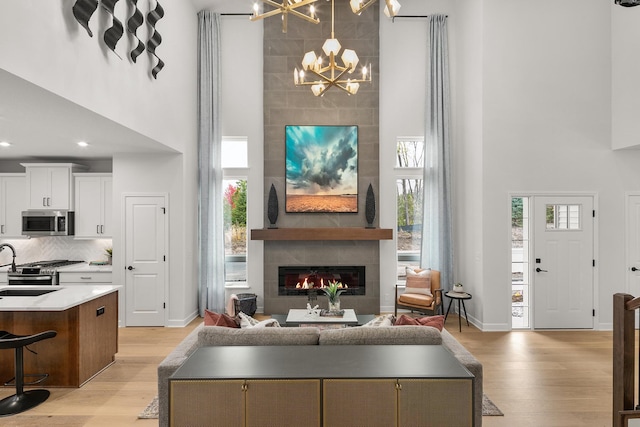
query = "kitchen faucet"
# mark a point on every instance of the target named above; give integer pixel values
(13, 262)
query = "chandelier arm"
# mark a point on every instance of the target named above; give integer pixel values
(364, 6)
(265, 15)
(300, 4)
(280, 6)
(303, 16)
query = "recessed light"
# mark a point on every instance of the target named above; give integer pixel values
(83, 144)
(4, 144)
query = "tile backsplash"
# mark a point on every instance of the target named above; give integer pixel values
(59, 247)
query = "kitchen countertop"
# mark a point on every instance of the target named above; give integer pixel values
(63, 298)
(85, 267)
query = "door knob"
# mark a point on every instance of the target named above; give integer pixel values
(131, 268)
(538, 270)
(634, 269)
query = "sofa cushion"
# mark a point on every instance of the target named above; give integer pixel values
(216, 335)
(416, 299)
(435, 321)
(418, 281)
(219, 319)
(391, 335)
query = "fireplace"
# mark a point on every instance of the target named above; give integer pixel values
(303, 280)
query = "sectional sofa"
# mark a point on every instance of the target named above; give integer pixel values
(203, 336)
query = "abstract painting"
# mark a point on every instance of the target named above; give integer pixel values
(321, 169)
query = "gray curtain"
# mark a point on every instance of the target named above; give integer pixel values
(437, 240)
(210, 221)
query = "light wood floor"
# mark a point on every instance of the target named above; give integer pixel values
(536, 378)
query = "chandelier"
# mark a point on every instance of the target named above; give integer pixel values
(285, 8)
(391, 9)
(332, 74)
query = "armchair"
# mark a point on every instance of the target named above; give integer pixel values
(428, 304)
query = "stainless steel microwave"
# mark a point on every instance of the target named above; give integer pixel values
(48, 223)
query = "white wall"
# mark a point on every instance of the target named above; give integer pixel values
(547, 127)
(42, 42)
(626, 90)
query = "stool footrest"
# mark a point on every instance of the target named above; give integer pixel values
(41, 377)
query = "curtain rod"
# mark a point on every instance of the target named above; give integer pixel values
(411, 16)
(236, 14)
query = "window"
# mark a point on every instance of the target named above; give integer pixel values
(520, 262)
(410, 154)
(563, 217)
(235, 173)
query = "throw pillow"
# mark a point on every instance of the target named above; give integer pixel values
(384, 320)
(418, 281)
(219, 319)
(267, 323)
(246, 321)
(434, 321)
(403, 319)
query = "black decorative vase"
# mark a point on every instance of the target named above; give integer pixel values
(272, 207)
(370, 207)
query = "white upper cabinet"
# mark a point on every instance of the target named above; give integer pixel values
(50, 185)
(13, 200)
(93, 205)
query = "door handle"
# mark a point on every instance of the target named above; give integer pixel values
(634, 269)
(538, 270)
(97, 229)
(131, 268)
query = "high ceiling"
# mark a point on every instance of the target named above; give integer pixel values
(42, 125)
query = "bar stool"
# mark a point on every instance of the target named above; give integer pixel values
(22, 400)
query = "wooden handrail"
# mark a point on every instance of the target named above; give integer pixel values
(634, 304)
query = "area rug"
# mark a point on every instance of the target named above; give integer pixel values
(488, 409)
(151, 411)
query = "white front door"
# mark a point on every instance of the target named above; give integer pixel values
(145, 255)
(563, 262)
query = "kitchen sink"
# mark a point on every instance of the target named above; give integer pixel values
(25, 292)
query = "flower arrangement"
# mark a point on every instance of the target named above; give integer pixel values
(333, 290)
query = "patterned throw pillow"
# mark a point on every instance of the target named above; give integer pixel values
(435, 321)
(418, 281)
(247, 321)
(216, 319)
(384, 320)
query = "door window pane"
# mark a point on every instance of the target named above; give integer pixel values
(563, 217)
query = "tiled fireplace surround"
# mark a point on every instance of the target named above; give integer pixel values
(285, 104)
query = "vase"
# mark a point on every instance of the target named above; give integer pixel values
(334, 305)
(370, 207)
(272, 207)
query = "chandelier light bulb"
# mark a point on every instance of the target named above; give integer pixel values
(392, 8)
(364, 72)
(355, 6)
(256, 8)
(312, 11)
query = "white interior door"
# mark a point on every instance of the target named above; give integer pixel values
(633, 246)
(145, 249)
(563, 262)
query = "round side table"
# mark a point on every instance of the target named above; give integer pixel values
(460, 297)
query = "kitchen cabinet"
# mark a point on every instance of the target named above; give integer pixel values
(85, 277)
(93, 205)
(50, 185)
(13, 201)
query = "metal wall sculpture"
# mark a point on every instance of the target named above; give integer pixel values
(133, 23)
(82, 11)
(113, 33)
(154, 41)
